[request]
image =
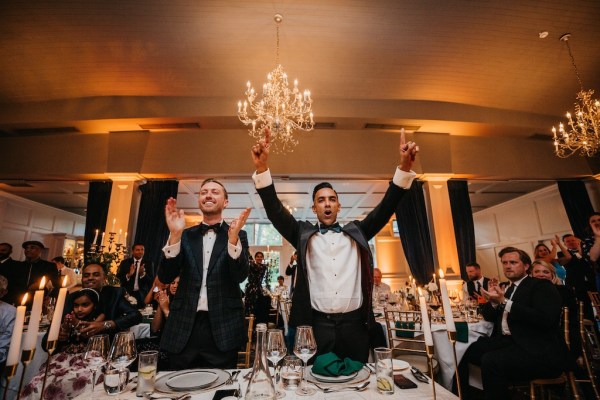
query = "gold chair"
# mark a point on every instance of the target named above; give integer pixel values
(595, 298)
(588, 344)
(244, 356)
(564, 377)
(406, 339)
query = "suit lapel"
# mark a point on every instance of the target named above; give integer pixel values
(195, 246)
(220, 243)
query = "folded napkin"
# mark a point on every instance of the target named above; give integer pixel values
(330, 364)
(462, 331)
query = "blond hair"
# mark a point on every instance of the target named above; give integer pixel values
(549, 267)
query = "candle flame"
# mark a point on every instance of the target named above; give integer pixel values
(24, 299)
(441, 274)
(43, 283)
(64, 281)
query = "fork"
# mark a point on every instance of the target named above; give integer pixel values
(233, 376)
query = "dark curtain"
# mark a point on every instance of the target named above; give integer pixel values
(462, 217)
(577, 203)
(411, 216)
(151, 229)
(97, 210)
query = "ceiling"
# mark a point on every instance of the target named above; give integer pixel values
(455, 67)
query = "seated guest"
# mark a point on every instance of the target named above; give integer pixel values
(136, 274)
(68, 374)
(380, 289)
(525, 344)
(476, 281)
(542, 252)
(65, 271)
(8, 268)
(580, 271)
(157, 286)
(163, 298)
(119, 314)
(28, 274)
(7, 321)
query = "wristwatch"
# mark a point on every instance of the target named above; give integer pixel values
(107, 326)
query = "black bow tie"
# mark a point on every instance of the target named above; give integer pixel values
(205, 228)
(335, 227)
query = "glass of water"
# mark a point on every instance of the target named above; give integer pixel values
(147, 361)
(384, 370)
(115, 380)
(291, 372)
(276, 350)
(305, 346)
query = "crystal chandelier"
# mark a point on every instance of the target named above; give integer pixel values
(281, 108)
(583, 131)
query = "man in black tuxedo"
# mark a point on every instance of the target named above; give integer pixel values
(334, 276)
(119, 314)
(205, 327)
(476, 281)
(525, 343)
(136, 274)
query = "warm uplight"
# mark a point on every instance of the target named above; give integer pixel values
(43, 283)
(24, 299)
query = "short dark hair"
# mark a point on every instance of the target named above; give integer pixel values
(320, 186)
(7, 244)
(59, 259)
(259, 252)
(473, 264)
(138, 244)
(104, 269)
(280, 277)
(566, 235)
(523, 256)
(209, 180)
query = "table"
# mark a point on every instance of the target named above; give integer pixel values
(443, 347)
(423, 391)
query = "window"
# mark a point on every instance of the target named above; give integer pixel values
(263, 235)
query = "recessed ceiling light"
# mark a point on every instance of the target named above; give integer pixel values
(543, 35)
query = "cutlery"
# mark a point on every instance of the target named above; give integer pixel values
(419, 375)
(370, 367)
(359, 387)
(232, 377)
(185, 396)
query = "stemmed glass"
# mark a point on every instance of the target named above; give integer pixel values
(96, 355)
(123, 351)
(276, 350)
(305, 346)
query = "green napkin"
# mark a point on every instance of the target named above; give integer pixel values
(462, 331)
(330, 364)
(405, 325)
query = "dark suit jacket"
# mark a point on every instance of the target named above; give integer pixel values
(114, 306)
(9, 269)
(533, 320)
(145, 283)
(225, 306)
(27, 273)
(471, 286)
(290, 270)
(298, 234)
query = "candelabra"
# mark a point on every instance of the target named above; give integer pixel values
(11, 371)
(50, 348)
(429, 350)
(109, 256)
(452, 337)
(26, 358)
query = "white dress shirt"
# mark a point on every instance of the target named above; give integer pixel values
(208, 242)
(508, 306)
(71, 278)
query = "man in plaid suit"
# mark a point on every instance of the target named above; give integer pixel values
(205, 327)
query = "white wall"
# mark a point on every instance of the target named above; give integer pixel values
(522, 223)
(22, 219)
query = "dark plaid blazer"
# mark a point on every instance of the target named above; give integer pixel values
(225, 306)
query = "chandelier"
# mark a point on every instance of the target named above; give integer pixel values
(583, 131)
(281, 108)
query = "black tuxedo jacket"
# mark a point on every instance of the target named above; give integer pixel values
(471, 286)
(145, 283)
(533, 320)
(298, 234)
(225, 306)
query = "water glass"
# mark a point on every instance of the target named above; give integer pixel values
(384, 370)
(115, 380)
(147, 362)
(291, 372)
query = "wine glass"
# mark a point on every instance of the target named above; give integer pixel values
(122, 351)
(305, 346)
(96, 355)
(276, 350)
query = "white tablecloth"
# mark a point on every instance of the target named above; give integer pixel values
(423, 391)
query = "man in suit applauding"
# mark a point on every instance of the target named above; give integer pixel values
(136, 274)
(334, 277)
(205, 327)
(525, 343)
(472, 288)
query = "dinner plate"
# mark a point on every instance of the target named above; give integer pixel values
(192, 380)
(400, 365)
(162, 386)
(357, 377)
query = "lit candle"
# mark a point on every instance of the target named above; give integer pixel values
(125, 242)
(446, 304)
(425, 320)
(95, 237)
(58, 311)
(102, 240)
(414, 287)
(434, 282)
(15, 342)
(239, 106)
(113, 225)
(120, 232)
(34, 318)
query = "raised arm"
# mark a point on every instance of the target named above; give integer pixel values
(408, 153)
(175, 219)
(260, 152)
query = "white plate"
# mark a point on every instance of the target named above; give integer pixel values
(400, 365)
(161, 382)
(192, 380)
(357, 377)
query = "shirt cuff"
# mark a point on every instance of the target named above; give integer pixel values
(172, 251)
(234, 250)
(263, 179)
(401, 179)
(508, 305)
